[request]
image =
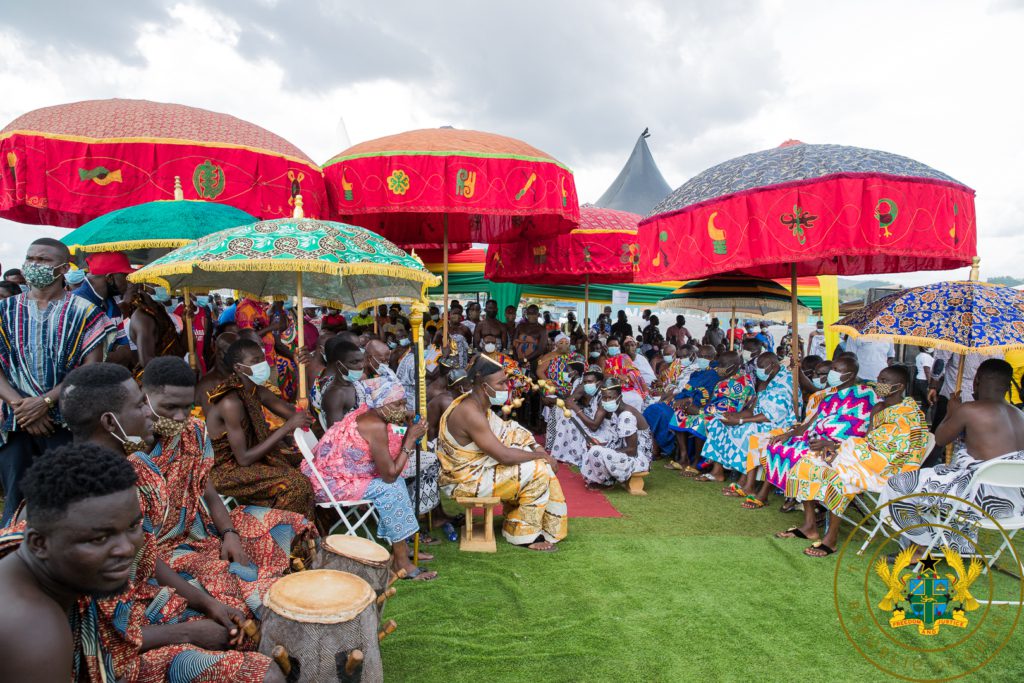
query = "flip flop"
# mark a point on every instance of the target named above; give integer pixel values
(734, 491)
(690, 472)
(752, 503)
(705, 478)
(818, 545)
(794, 532)
(673, 465)
(417, 574)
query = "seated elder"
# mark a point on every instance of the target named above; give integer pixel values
(363, 457)
(574, 435)
(628, 450)
(895, 444)
(483, 455)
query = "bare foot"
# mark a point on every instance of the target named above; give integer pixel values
(543, 546)
(417, 574)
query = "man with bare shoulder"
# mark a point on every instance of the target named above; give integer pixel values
(483, 455)
(993, 430)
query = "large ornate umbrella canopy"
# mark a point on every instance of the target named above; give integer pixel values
(739, 293)
(827, 209)
(343, 264)
(68, 164)
(164, 224)
(489, 188)
(603, 249)
(965, 317)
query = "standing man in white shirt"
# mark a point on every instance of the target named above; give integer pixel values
(816, 341)
(873, 356)
(924, 363)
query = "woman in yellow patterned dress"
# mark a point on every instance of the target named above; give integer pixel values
(895, 444)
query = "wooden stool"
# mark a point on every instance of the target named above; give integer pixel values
(635, 485)
(477, 539)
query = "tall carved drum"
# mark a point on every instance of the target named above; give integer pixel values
(359, 556)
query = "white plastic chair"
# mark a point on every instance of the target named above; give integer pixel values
(229, 502)
(348, 511)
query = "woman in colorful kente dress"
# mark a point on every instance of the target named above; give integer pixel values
(618, 364)
(627, 451)
(726, 444)
(895, 444)
(842, 414)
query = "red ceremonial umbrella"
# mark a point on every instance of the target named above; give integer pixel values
(804, 209)
(68, 164)
(433, 187)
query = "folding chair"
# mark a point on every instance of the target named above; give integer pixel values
(229, 502)
(349, 513)
(873, 499)
(997, 474)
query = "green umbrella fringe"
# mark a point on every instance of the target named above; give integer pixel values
(151, 273)
(927, 341)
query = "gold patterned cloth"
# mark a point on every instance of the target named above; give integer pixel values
(531, 495)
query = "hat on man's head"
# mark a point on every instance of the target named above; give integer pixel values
(108, 263)
(383, 390)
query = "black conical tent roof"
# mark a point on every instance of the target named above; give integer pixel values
(639, 185)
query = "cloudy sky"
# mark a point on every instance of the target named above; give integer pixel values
(933, 80)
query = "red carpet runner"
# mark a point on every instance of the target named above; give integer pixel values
(580, 501)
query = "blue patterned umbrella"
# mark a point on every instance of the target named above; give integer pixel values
(964, 317)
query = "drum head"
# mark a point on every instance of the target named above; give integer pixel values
(357, 548)
(319, 596)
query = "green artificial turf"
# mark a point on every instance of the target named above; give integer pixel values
(685, 586)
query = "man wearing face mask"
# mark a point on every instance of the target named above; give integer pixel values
(835, 476)
(481, 454)
(628, 450)
(253, 464)
(844, 412)
(629, 346)
(733, 393)
(772, 408)
(750, 349)
(668, 368)
(106, 286)
(345, 364)
(816, 341)
(377, 355)
(618, 364)
(694, 394)
(403, 360)
(573, 436)
(47, 333)
(490, 326)
(151, 329)
(516, 373)
(363, 321)
(104, 406)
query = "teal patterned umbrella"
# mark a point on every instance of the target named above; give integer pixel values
(348, 266)
(964, 317)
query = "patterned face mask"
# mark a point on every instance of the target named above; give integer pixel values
(883, 389)
(392, 414)
(165, 426)
(39, 275)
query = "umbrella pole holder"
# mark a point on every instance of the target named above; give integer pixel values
(189, 332)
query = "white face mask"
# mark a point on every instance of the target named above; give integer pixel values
(610, 406)
(835, 378)
(668, 358)
(490, 347)
(590, 389)
(259, 373)
(405, 342)
(746, 355)
(499, 398)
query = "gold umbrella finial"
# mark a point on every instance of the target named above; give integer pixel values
(298, 213)
(975, 268)
(179, 194)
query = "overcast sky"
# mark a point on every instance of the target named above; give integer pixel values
(934, 80)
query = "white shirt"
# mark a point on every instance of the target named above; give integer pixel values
(923, 360)
(872, 355)
(953, 367)
(644, 367)
(816, 344)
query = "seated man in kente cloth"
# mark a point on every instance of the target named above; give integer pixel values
(895, 444)
(994, 431)
(483, 455)
(251, 463)
(79, 557)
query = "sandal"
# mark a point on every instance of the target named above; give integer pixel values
(417, 574)
(673, 465)
(734, 491)
(821, 548)
(706, 477)
(690, 472)
(792, 532)
(753, 503)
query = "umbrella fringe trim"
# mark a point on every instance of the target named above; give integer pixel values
(927, 341)
(128, 245)
(289, 266)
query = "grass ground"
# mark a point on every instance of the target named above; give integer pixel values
(685, 586)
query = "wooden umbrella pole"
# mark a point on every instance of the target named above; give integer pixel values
(586, 320)
(959, 387)
(301, 324)
(189, 332)
(732, 330)
(444, 313)
(794, 339)
(416, 314)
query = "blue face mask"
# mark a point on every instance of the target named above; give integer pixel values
(835, 378)
(590, 389)
(610, 406)
(613, 351)
(203, 301)
(818, 382)
(668, 359)
(500, 398)
(288, 305)
(405, 342)
(702, 363)
(762, 374)
(353, 375)
(160, 295)
(392, 344)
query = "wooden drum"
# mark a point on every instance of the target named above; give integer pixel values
(359, 556)
(319, 616)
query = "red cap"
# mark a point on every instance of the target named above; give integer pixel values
(108, 263)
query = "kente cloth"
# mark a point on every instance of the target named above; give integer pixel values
(168, 341)
(941, 482)
(316, 397)
(397, 522)
(287, 377)
(252, 315)
(895, 444)
(343, 459)
(609, 464)
(669, 374)
(841, 415)
(731, 395)
(758, 441)
(569, 442)
(519, 381)
(406, 372)
(189, 540)
(559, 374)
(698, 389)
(38, 348)
(107, 634)
(622, 367)
(659, 418)
(530, 493)
(273, 481)
(727, 444)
